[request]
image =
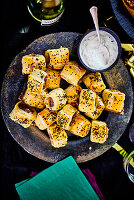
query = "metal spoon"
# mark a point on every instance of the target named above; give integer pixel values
(93, 11)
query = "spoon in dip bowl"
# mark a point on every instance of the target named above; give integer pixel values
(102, 51)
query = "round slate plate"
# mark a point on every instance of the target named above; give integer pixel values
(36, 142)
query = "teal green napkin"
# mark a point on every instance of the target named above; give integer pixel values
(62, 181)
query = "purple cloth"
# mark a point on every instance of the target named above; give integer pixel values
(33, 174)
(91, 179)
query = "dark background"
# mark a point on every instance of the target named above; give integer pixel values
(15, 163)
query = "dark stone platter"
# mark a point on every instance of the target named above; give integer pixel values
(37, 142)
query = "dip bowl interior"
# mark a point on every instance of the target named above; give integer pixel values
(95, 69)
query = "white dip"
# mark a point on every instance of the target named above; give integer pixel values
(92, 55)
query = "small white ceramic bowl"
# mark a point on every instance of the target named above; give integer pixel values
(115, 59)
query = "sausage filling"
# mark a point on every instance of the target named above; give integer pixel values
(51, 102)
(26, 108)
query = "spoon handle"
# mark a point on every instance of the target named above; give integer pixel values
(94, 13)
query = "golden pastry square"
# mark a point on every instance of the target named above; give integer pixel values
(99, 107)
(72, 93)
(64, 116)
(56, 99)
(94, 82)
(113, 100)
(36, 81)
(87, 100)
(57, 58)
(99, 131)
(45, 118)
(58, 135)
(72, 72)
(34, 100)
(23, 114)
(34, 86)
(31, 61)
(53, 79)
(80, 126)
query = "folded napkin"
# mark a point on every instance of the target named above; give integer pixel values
(63, 181)
(91, 179)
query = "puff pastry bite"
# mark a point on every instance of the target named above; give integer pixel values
(23, 114)
(72, 93)
(99, 107)
(80, 126)
(32, 61)
(36, 81)
(87, 100)
(94, 82)
(57, 58)
(56, 99)
(64, 116)
(58, 135)
(53, 79)
(45, 118)
(113, 100)
(34, 100)
(99, 131)
(72, 72)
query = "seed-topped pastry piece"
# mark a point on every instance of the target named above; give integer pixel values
(36, 81)
(23, 114)
(99, 107)
(99, 131)
(57, 58)
(87, 100)
(32, 61)
(64, 116)
(53, 79)
(34, 100)
(56, 99)
(58, 135)
(80, 125)
(113, 100)
(72, 72)
(45, 118)
(94, 82)
(72, 93)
